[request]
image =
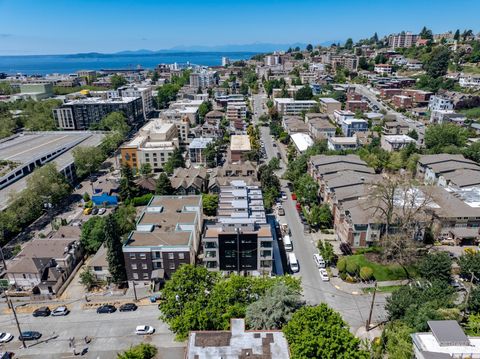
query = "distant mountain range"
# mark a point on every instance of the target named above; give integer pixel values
(254, 48)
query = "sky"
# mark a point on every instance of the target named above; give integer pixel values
(29, 27)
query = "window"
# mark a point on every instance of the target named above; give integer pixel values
(266, 253)
(143, 256)
(181, 255)
(134, 265)
(170, 255)
(229, 253)
(132, 255)
(145, 275)
(172, 266)
(135, 275)
(157, 255)
(158, 265)
(144, 265)
(97, 268)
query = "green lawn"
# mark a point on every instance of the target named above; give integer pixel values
(471, 69)
(385, 289)
(472, 112)
(383, 272)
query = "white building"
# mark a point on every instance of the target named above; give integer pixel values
(196, 149)
(225, 61)
(203, 78)
(469, 80)
(446, 340)
(392, 143)
(340, 116)
(383, 69)
(342, 143)
(236, 110)
(302, 141)
(439, 103)
(272, 60)
(289, 106)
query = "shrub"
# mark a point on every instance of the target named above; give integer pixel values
(142, 200)
(342, 265)
(343, 275)
(366, 273)
(352, 268)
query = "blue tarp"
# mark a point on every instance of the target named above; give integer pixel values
(105, 199)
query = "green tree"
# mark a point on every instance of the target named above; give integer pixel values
(472, 152)
(87, 279)
(305, 93)
(117, 81)
(140, 351)
(469, 264)
(438, 137)
(320, 332)
(306, 189)
(398, 342)
(436, 64)
(210, 204)
(436, 265)
(114, 121)
(125, 216)
(348, 44)
(309, 48)
(163, 185)
(474, 300)
(203, 109)
(413, 134)
(298, 56)
(47, 183)
(91, 236)
(175, 160)
(327, 252)
(113, 241)
(211, 154)
(273, 309)
(146, 170)
(456, 36)
(473, 325)
(128, 188)
(87, 159)
(426, 34)
(166, 94)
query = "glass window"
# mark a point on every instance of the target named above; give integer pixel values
(143, 256)
(144, 265)
(172, 266)
(134, 265)
(145, 275)
(170, 255)
(181, 255)
(135, 275)
(132, 255)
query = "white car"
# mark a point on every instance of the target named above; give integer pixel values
(5, 337)
(284, 196)
(144, 329)
(59, 311)
(101, 211)
(319, 260)
(324, 275)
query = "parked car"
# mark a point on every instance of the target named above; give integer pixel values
(144, 329)
(101, 211)
(284, 196)
(281, 211)
(30, 335)
(5, 337)
(87, 211)
(319, 260)
(107, 308)
(60, 311)
(128, 307)
(324, 274)
(293, 262)
(79, 186)
(95, 210)
(42, 312)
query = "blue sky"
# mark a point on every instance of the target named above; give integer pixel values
(71, 26)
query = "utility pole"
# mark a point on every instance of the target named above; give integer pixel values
(2, 236)
(10, 304)
(134, 291)
(467, 297)
(371, 308)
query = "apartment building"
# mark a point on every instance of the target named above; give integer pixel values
(221, 176)
(82, 113)
(356, 105)
(196, 149)
(395, 128)
(446, 169)
(145, 93)
(236, 111)
(342, 143)
(339, 116)
(402, 101)
(469, 81)
(350, 126)
(395, 142)
(240, 240)
(401, 40)
(329, 105)
(167, 235)
(383, 69)
(239, 147)
(154, 144)
(440, 103)
(320, 128)
(294, 124)
(203, 78)
(290, 107)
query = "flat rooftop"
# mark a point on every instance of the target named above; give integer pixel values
(240, 143)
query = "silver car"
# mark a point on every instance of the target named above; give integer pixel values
(60, 311)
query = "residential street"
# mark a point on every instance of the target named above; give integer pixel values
(353, 307)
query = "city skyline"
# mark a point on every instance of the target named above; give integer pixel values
(109, 27)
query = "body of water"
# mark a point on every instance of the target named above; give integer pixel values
(65, 64)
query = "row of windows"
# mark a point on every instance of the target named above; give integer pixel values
(157, 255)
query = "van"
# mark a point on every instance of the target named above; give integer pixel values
(287, 243)
(292, 261)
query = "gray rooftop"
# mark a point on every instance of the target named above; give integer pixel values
(448, 332)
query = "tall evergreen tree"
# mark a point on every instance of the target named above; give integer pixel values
(163, 185)
(128, 189)
(113, 241)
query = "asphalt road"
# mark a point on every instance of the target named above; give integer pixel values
(412, 124)
(111, 333)
(354, 308)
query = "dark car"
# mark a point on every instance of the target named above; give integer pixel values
(42, 312)
(128, 307)
(95, 210)
(107, 308)
(30, 335)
